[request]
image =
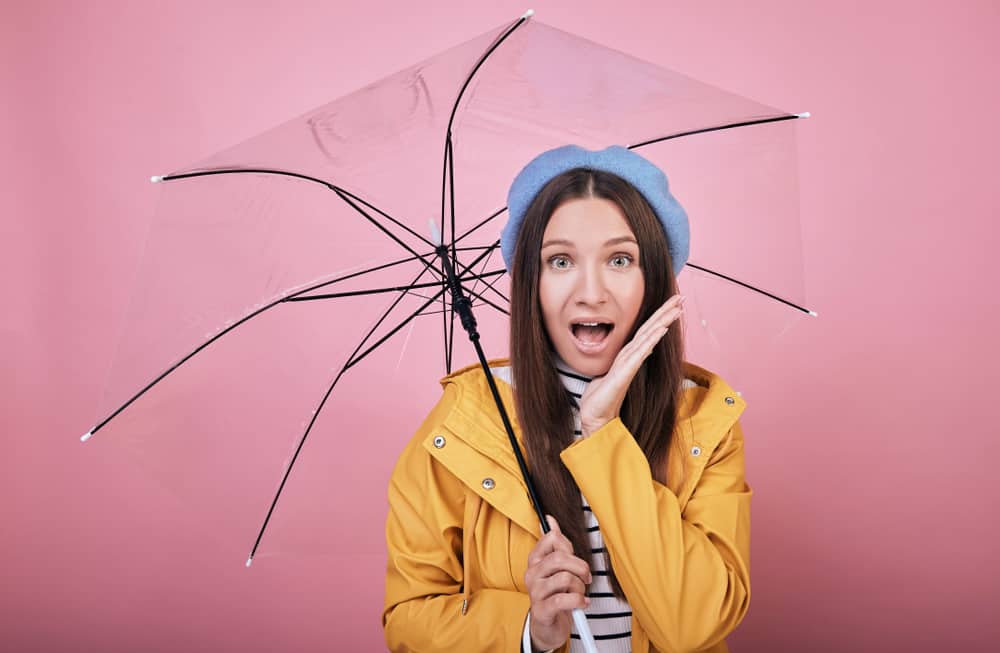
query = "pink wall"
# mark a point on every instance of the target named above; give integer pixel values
(869, 448)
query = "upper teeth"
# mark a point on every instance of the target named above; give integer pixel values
(588, 323)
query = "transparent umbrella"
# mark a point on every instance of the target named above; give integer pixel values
(291, 311)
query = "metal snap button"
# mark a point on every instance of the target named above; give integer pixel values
(439, 441)
(730, 401)
(489, 484)
(696, 450)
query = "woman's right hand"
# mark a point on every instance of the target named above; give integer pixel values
(556, 581)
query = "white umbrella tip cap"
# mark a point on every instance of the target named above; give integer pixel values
(435, 232)
(804, 114)
(529, 13)
(249, 561)
(814, 313)
(155, 179)
(86, 436)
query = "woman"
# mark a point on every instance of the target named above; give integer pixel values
(637, 455)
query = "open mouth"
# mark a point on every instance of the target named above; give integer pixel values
(591, 333)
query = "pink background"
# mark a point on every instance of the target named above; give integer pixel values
(870, 438)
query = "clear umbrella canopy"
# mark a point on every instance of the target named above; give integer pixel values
(269, 299)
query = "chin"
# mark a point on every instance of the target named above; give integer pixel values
(588, 366)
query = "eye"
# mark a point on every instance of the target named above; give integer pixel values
(559, 262)
(621, 261)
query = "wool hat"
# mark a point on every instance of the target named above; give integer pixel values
(645, 176)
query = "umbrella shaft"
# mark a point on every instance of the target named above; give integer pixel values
(459, 301)
(463, 306)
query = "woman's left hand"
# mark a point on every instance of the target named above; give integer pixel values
(603, 398)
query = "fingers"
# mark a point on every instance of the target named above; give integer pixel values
(653, 330)
(545, 610)
(560, 583)
(557, 583)
(661, 318)
(552, 541)
(554, 564)
(557, 593)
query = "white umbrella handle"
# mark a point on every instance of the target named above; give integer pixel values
(583, 630)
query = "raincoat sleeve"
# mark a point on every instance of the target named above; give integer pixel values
(685, 574)
(425, 607)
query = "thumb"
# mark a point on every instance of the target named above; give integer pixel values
(553, 524)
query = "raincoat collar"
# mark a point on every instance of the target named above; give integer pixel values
(480, 449)
(702, 403)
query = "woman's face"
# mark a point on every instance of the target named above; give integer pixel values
(590, 285)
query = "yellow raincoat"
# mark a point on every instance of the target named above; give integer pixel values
(461, 525)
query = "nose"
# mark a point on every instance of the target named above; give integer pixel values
(591, 289)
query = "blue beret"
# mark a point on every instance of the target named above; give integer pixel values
(638, 171)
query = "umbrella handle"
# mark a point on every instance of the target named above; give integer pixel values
(583, 630)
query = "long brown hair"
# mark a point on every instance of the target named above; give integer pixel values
(544, 407)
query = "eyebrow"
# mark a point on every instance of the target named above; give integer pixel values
(608, 243)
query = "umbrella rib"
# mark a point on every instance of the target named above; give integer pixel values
(749, 287)
(468, 80)
(733, 125)
(370, 291)
(489, 285)
(479, 278)
(351, 361)
(472, 276)
(381, 228)
(487, 302)
(473, 248)
(451, 121)
(483, 254)
(495, 291)
(489, 252)
(358, 359)
(444, 237)
(386, 215)
(483, 276)
(352, 275)
(451, 337)
(231, 327)
(475, 261)
(482, 224)
(650, 142)
(436, 312)
(444, 325)
(342, 193)
(450, 159)
(449, 325)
